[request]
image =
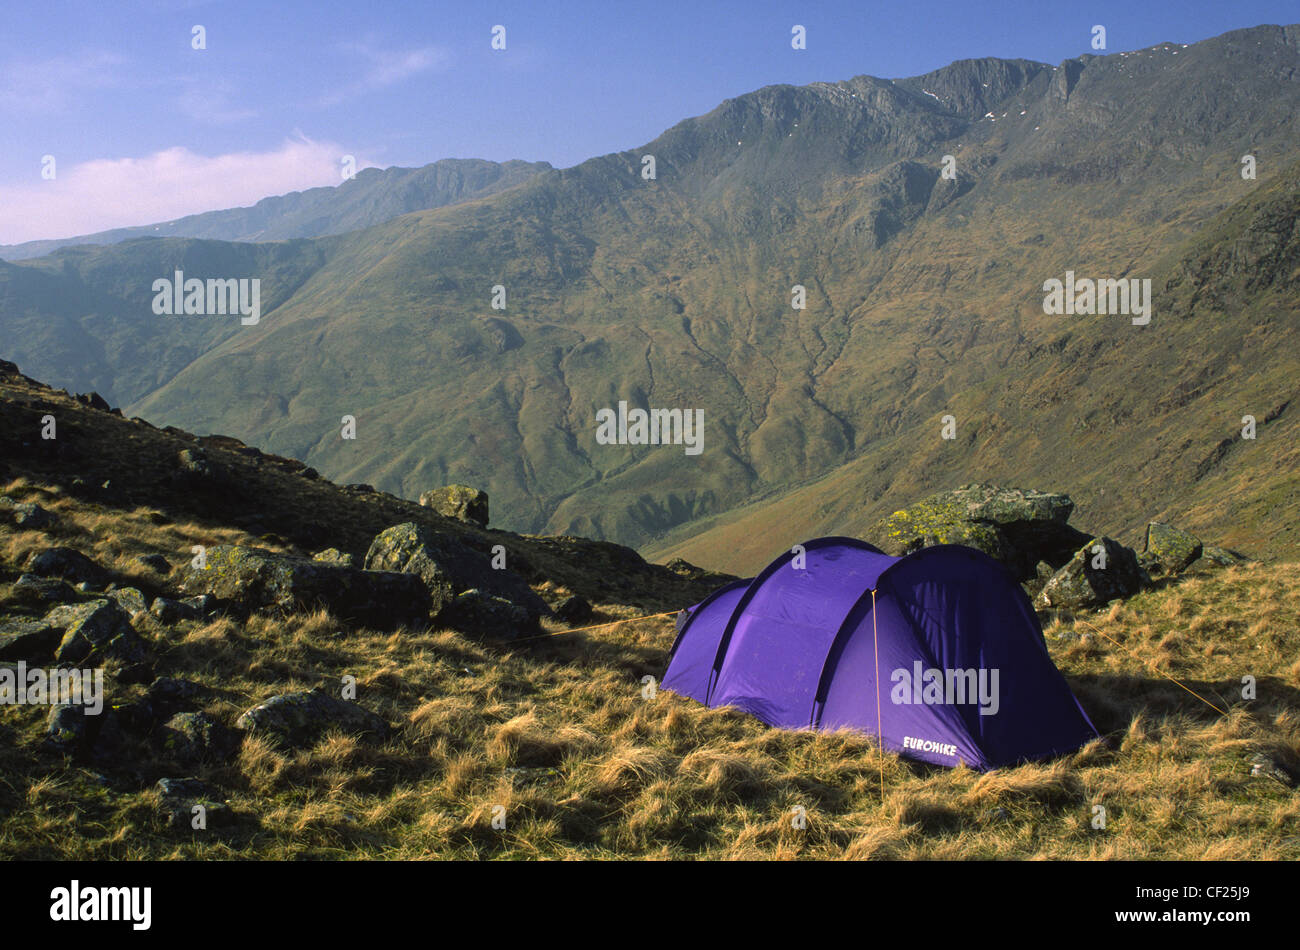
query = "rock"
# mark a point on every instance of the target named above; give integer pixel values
(73, 729)
(458, 501)
(67, 564)
(193, 466)
(691, 572)
(476, 611)
(130, 600)
(179, 796)
(255, 578)
(194, 737)
(1171, 549)
(32, 517)
(447, 567)
(203, 605)
(97, 630)
(168, 694)
(67, 729)
(573, 610)
(28, 639)
(35, 590)
(334, 556)
(164, 698)
(169, 611)
(155, 562)
(1222, 557)
(94, 400)
(1018, 527)
(1081, 584)
(298, 719)
(1042, 574)
(1266, 766)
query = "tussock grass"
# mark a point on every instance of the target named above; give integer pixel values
(558, 736)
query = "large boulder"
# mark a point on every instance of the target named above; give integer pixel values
(255, 579)
(478, 612)
(448, 567)
(1099, 572)
(458, 501)
(1169, 550)
(1019, 527)
(67, 564)
(28, 639)
(298, 719)
(34, 591)
(94, 631)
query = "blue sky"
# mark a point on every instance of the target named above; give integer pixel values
(142, 127)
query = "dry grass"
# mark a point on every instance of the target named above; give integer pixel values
(555, 737)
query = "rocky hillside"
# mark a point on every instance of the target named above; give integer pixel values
(297, 670)
(122, 464)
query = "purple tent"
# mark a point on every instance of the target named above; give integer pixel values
(964, 672)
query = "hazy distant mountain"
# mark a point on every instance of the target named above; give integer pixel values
(371, 197)
(924, 299)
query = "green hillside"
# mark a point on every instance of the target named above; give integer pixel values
(924, 298)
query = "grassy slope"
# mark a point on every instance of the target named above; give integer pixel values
(558, 733)
(1136, 424)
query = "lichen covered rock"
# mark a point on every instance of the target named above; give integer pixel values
(1100, 571)
(447, 568)
(1019, 527)
(298, 719)
(95, 631)
(458, 501)
(1171, 550)
(255, 578)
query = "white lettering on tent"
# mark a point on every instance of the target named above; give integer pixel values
(929, 745)
(935, 687)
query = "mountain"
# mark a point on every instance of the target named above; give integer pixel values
(370, 197)
(925, 298)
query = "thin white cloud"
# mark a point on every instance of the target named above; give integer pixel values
(114, 193)
(378, 68)
(50, 85)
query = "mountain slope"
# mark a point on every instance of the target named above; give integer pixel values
(924, 297)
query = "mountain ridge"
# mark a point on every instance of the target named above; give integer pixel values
(923, 293)
(370, 197)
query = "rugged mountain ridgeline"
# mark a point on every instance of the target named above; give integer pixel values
(924, 298)
(370, 197)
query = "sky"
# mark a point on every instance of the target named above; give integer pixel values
(110, 117)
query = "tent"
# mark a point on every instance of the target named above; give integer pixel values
(964, 671)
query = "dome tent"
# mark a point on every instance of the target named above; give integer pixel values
(965, 676)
